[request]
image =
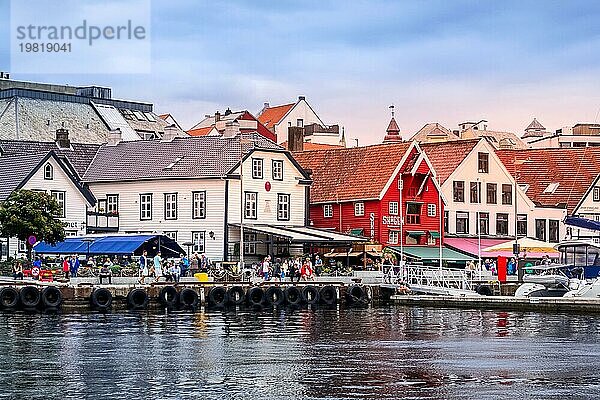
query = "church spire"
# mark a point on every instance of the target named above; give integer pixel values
(393, 131)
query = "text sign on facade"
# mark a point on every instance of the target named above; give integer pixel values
(391, 220)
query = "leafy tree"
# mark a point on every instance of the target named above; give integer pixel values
(27, 213)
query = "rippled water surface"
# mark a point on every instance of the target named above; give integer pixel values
(382, 353)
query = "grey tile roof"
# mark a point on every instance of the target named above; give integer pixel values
(201, 157)
(14, 169)
(79, 156)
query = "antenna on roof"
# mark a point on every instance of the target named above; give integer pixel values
(392, 108)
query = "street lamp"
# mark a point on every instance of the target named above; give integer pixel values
(88, 241)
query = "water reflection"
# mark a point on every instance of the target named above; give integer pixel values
(390, 352)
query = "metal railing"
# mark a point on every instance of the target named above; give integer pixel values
(421, 275)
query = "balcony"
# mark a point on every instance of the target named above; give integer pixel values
(102, 222)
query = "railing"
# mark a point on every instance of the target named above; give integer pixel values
(433, 277)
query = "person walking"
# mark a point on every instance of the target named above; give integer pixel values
(184, 265)
(66, 267)
(265, 268)
(291, 265)
(194, 264)
(74, 266)
(158, 272)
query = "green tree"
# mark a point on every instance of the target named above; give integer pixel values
(27, 213)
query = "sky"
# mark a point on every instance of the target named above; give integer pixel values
(436, 61)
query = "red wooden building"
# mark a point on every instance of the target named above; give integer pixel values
(356, 190)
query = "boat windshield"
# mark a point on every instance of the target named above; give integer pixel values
(580, 255)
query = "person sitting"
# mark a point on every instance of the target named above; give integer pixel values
(17, 271)
(175, 272)
(106, 272)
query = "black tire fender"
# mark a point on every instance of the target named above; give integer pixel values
(310, 294)
(217, 296)
(9, 298)
(328, 295)
(293, 296)
(137, 299)
(51, 297)
(188, 298)
(168, 296)
(101, 299)
(30, 297)
(274, 296)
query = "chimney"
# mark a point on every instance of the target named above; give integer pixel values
(267, 105)
(114, 137)
(62, 138)
(217, 116)
(300, 98)
(232, 129)
(228, 111)
(171, 132)
(295, 138)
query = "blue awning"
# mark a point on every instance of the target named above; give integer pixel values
(113, 245)
(583, 223)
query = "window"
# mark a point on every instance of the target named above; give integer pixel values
(283, 207)
(522, 225)
(483, 162)
(413, 213)
(277, 170)
(171, 235)
(59, 196)
(431, 210)
(492, 193)
(462, 222)
(250, 206)
(145, 207)
(393, 208)
(553, 230)
(540, 229)
(393, 237)
(506, 194)
(198, 205)
(484, 223)
(597, 194)
(458, 188)
(446, 220)
(328, 211)
(257, 168)
(551, 188)
(501, 224)
(70, 233)
(475, 195)
(170, 205)
(250, 243)
(48, 172)
(198, 242)
(430, 240)
(112, 203)
(300, 122)
(22, 246)
(359, 209)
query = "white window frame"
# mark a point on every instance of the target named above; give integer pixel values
(61, 197)
(393, 208)
(112, 203)
(257, 168)
(171, 235)
(300, 122)
(283, 206)
(328, 211)
(199, 204)
(596, 193)
(359, 209)
(22, 247)
(277, 170)
(146, 206)
(250, 205)
(170, 206)
(393, 237)
(199, 242)
(431, 210)
(48, 172)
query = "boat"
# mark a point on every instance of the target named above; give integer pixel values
(577, 274)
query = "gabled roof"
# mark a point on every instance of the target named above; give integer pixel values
(498, 139)
(573, 169)
(348, 174)
(447, 156)
(189, 157)
(535, 125)
(433, 130)
(200, 131)
(79, 156)
(271, 116)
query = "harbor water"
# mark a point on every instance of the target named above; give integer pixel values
(375, 353)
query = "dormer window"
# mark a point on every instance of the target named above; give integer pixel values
(551, 188)
(48, 172)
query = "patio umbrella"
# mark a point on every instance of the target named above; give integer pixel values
(527, 245)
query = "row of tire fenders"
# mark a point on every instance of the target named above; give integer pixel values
(50, 297)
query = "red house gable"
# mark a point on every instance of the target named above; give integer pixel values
(356, 190)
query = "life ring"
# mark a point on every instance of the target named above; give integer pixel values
(35, 271)
(188, 298)
(101, 299)
(255, 297)
(137, 299)
(9, 298)
(310, 295)
(328, 295)
(30, 297)
(484, 290)
(274, 296)
(355, 295)
(168, 296)
(217, 296)
(236, 295)
(51, 297)
(293, 296)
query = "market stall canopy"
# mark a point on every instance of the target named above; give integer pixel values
(303, 234)
(113, 245)
(527, 245)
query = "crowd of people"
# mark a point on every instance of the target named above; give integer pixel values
(292, 268)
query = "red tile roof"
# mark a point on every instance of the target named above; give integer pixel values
(308, 146)
(351, 174)
(573, 169)
(164, 116)
(272, 115)
(200, 131)
(447, 156)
